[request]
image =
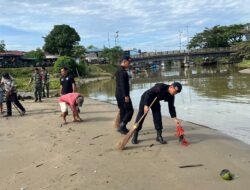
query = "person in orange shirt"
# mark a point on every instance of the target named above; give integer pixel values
(74, 101)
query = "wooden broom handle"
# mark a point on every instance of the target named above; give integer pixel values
(148, 109)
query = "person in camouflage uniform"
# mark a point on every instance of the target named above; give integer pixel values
(45, 82)
(37, 79)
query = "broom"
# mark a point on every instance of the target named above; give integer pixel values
(117, 120)
(21, 114)
(124, 141)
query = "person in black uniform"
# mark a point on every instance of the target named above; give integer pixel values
(122, 95)
(162, 92)
(67, 83)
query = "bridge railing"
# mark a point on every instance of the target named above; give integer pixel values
(181, 52)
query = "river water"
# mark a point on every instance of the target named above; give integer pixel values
(217, 97)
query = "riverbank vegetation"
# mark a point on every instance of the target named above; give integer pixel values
(225, 36)
(23, 75)
(63, 41)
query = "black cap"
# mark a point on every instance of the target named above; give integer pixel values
(177, 86)
(127, 58)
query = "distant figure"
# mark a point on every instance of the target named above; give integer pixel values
(74, 100)
(45, 82)
(1, 99)
(162, 92)
(122, 95)
(10, 93)
(67, 83)
(37, 79)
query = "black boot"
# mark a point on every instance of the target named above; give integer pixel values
(135, 138)
(159, 137)
(122, 129)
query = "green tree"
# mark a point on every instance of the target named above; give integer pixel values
(61, 40)
(91, 47)
(243, 52)
(218, 36)
(78, 51)
(113, 55)
(37, 54)
(2, 46)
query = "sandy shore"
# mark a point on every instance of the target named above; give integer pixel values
(246, 71)
(35, 153)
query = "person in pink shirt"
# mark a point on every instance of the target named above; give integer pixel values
(74, 101)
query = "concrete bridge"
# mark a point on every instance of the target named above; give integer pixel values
(179, 56)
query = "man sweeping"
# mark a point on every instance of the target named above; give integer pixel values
(161, 92)
(74, 101)
(122, 95)
(11, 95)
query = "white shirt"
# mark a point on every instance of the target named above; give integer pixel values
(9, 84)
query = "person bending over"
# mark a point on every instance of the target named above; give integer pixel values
(162, 92)
(74, 101)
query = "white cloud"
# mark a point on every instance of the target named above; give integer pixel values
(141, 23)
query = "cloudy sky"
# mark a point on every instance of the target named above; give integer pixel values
(144, 24)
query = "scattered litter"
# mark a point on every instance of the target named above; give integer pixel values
(100, 155)
(23, 188)
(77, 151)
(151, 145)
(227, 175)
(191, 166)
(97, 136)
(39, 165)
(94, 172)
(19, 172)
(91, 144)
(73, 174)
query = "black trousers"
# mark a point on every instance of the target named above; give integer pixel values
(156, 111)
(13, 98)
(126, 109)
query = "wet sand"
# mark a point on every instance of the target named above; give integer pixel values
(36, 153)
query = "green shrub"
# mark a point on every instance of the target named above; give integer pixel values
(109, 68)
(22, 72)
(244, 64)
(83, 69)
(68, 62)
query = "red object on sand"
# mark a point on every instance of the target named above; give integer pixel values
(180, 133)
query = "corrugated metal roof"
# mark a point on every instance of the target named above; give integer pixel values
(15, 53)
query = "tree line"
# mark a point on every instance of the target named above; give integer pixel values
(63, 40)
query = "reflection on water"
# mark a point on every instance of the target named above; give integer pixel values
(217, 97)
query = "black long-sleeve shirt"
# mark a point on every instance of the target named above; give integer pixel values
(122, 83)
(160, 91)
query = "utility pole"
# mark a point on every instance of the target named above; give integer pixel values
(187, 45)
(116, 37)
(187, 37)
(108, 40)
(180, 36)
